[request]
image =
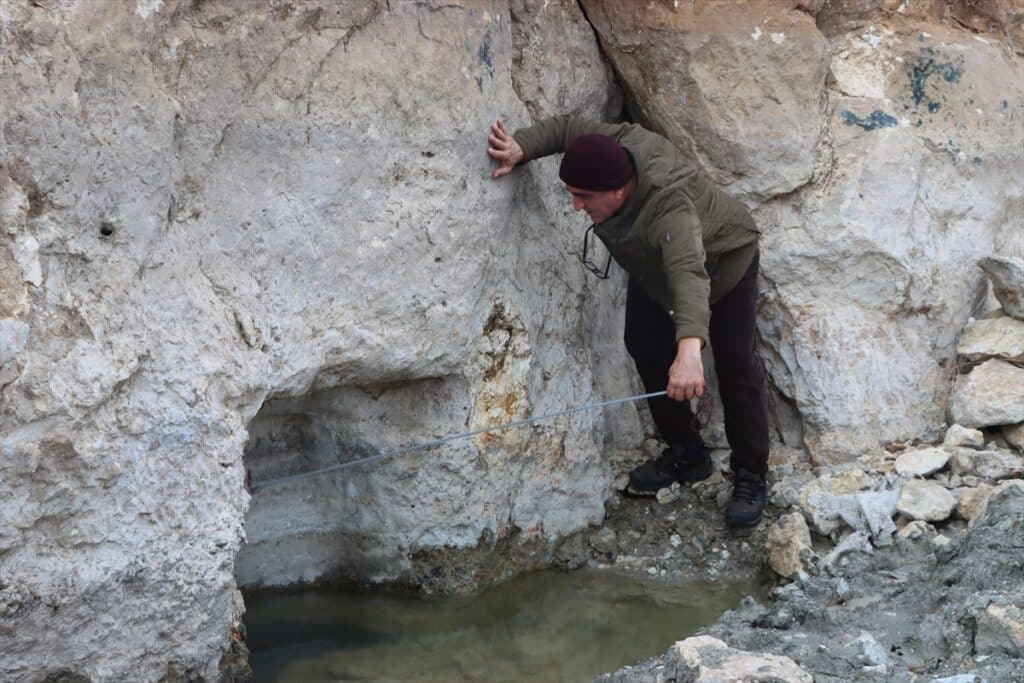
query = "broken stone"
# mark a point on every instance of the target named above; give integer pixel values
(1007, 276)
(916, 530)
(989, 395)
(979, 505)
(866, 651)
(921, 462)
(877, 509)
(785, 493)
(1001, 337)
(971, 501)
(858, 541)
(787, 539)
(708, 659)
(958, 435)
(824, 501)
(990, 464)
(1014, 435)
(925, 500)
(1000, 625)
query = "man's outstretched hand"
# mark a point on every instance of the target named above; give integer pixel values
(504, 148)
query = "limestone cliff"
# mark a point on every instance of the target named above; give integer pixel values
(244, 239)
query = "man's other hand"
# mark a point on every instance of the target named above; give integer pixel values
(686, 376)
(504, 148)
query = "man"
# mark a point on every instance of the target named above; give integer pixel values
(691, 254)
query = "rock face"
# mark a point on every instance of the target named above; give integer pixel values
(272, 223)
(876, 157)
(241, 241)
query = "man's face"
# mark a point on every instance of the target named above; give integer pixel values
(599, 205)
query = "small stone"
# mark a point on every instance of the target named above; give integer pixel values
(786, 539)
(925, 500)
(869, 652)
(877, 509)
(915, 530)
(1007, 277)
(959, 678)
(958, 435)
(675, 540)
(988, 464)
(1001, 337)
(709, 659)
(824, 501)
(921, 462)
(989, 395)
(668, 494)
(621, 482)
(970, 502)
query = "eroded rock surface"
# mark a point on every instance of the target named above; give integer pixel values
(240, 241)
(273, 222)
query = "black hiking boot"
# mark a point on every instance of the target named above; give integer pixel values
(685, 465)
(746, 506)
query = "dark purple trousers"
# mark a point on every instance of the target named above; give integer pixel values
(651, 341)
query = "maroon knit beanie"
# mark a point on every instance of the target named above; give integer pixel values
(596, 162)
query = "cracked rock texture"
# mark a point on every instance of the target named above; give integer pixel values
(274, 219)
(879, 149)
(239, 241)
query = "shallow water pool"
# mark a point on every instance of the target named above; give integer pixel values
(547, 626)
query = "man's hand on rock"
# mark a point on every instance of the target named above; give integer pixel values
(686, 376)
(504, 148)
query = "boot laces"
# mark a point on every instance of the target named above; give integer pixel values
(747, 486)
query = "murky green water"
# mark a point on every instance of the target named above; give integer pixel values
(543, 627)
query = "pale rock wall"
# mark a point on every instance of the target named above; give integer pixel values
(249, 239)
(220, 211)
(882, 162)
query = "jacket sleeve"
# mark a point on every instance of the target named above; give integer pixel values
(552, 136)
(677, 232)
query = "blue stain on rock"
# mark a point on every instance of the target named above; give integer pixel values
(484, 54)
(919, 73)
(876, 119)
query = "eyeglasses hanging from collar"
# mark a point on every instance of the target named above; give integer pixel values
(590, 265)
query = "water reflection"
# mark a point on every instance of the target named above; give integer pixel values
(543, 627)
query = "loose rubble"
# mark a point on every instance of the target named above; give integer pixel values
(907, 564)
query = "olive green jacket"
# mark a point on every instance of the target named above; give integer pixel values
(679, 236)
